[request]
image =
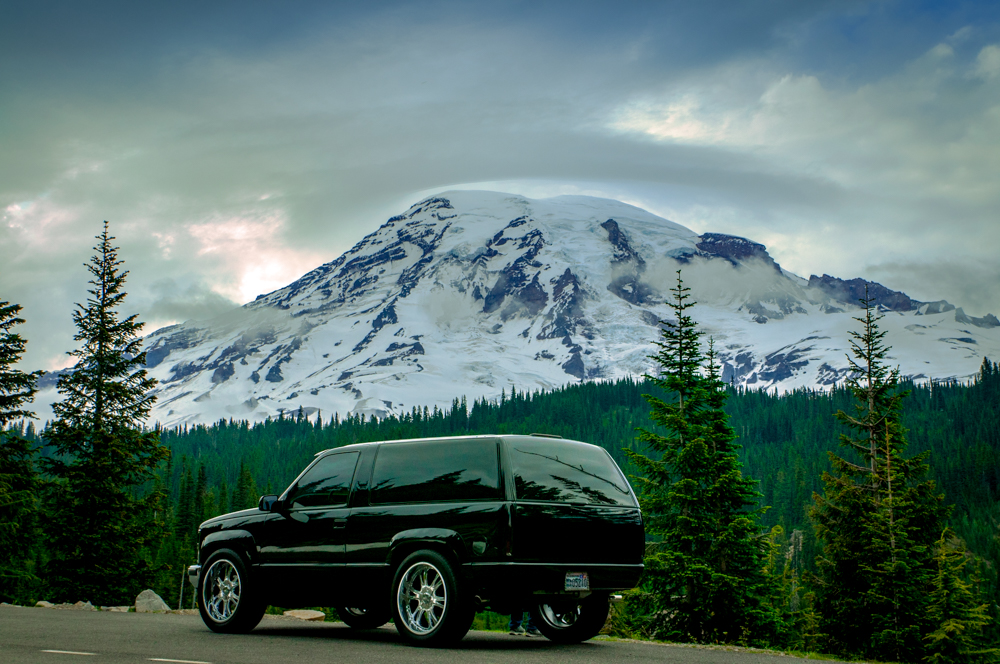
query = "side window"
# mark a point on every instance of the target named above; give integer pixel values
(562, 472)
(328, 483)
(428, 472)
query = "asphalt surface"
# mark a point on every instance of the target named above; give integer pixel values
(89, 637)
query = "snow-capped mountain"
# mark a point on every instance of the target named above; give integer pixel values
(471, 292)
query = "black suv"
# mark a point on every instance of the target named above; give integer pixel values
(426, 532)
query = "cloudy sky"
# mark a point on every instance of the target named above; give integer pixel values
(233, 146)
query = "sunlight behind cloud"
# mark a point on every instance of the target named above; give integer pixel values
(38, 225)
(682, 121)
(251, 250)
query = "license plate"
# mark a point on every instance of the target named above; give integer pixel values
(577, 581)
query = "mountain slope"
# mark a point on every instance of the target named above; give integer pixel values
(468, 293)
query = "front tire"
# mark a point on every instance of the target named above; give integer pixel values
(430, 608)
(572, 622)
(358, 618)
(228, 600)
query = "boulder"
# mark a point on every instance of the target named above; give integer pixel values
(44, 605)
(116, 609)
(306, 614)
(150, 602)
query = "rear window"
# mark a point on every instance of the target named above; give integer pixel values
(430, 472)
(560, 472)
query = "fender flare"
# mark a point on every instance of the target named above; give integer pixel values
(440, 539)
(239, 540)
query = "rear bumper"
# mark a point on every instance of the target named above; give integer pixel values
(549, 578)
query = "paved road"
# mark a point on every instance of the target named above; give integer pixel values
(27, 633)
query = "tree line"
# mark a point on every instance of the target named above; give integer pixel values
(860, 521)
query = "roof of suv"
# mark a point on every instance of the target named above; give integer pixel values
(546, 436)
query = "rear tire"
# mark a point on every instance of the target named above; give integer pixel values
(229, 600)
(429, 605)
(358, 618)
(572, 622)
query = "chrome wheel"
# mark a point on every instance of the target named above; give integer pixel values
(560, 619)
(422, 597)
(221, 590)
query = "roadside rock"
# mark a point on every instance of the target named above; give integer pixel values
(150, 602)
(44, 605)
(306, 614)
(79, 606)
(116, 609)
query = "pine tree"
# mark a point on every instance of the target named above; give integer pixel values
(956, 611)
(185, 503)
(200, 496)
(704, 576)
(878, 519)
(17, 388)
(245, 495)
(99, 525)
(18, 478)
(239, 497)
(223, 505)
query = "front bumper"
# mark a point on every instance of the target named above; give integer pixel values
(194, 572)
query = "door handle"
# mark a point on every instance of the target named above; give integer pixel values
(340, 522)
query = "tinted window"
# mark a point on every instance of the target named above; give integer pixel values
(559, 472)
(459, 470)
(326, 483)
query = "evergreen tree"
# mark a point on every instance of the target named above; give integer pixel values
(99, 525)
(17, 388)
(956, 612)
(223, 505)
(185, 503)
(200, 496)
(245, 495)
(877, 519)
(704, 576)
(18, 477)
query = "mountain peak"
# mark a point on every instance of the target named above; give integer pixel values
(470, 292)
(735, 249)
(852, 292)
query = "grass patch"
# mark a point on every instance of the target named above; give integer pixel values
(488, 621)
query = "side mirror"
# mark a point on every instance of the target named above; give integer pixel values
(268, 503)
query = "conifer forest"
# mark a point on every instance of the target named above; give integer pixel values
(866, 518)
